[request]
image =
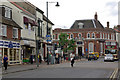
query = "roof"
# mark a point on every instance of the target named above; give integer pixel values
(91, 23)
(9, 22)
(45, 18)
(39, 10)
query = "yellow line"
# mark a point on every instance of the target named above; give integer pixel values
(114, 74)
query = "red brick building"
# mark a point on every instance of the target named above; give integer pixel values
(89, 35)
(10, 33)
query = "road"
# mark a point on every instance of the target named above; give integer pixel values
(81, 69)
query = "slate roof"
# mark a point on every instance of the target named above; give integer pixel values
(9, 22)
(91, 23)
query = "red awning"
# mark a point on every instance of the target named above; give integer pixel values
(27, 20)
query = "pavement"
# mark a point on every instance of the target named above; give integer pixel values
(26, 67)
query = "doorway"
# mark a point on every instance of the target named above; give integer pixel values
(80, 51)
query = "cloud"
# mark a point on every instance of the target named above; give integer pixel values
(112, 8)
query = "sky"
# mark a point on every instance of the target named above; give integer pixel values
(71, 10)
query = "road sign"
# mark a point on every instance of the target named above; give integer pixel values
(48, 36)
(48, 40)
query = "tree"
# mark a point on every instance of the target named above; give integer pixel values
(63, 42)
(71, 45)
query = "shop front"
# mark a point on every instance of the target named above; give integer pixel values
(28, 49)
(12, 50)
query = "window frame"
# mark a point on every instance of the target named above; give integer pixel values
(16, 34)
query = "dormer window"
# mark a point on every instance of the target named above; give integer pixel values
(6, 11)
(80, 25)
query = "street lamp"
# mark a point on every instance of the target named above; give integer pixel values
(57, 5)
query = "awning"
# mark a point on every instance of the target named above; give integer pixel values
(27, 20)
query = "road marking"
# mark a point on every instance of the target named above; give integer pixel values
(114, 74)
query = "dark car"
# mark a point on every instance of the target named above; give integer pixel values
(91, 56)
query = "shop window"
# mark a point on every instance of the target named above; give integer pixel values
(15, 33)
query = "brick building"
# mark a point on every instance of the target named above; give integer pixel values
(10, 33)
(89, 35)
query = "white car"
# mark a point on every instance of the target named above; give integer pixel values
(109, 57)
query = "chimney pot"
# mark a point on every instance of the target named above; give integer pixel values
(108, 24)
(96, 16)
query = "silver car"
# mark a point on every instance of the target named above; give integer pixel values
(109, 57)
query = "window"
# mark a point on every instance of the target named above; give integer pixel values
(25, 26)
(7, 12)
(53, 36)
(100, 35)
(91, 47)
(113, 36)
(71, 36)
(113, 43)
(15, 33)
(108, 36)
(93, 35)
(80, 36)
(3, 31)
(101, 47)
(103, 36)
(88, 35)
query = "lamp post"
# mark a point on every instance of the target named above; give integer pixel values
(57, 5)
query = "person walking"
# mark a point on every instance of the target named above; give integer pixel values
(31, 59)
(5, 61)
(72, 61)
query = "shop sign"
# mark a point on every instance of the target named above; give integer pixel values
(9, 44)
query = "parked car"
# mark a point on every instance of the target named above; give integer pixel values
(109, 57)
(92, 56)
(96, 54)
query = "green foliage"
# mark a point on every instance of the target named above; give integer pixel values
(71, 45)
(67, 44)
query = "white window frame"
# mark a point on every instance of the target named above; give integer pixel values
(103, 36)
(71, 37)
(16, 34)
(79, 36)
(100, 35)
(108, 36)
(113, 37)
(101, 47)
(93, 34)
(7, 12)
(5, 29)
(87, 35)
(91, 47)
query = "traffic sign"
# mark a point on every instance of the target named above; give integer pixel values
(48, 36)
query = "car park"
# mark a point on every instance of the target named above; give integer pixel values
(109, 57)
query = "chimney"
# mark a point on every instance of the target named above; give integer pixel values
(108, 24)
(96, 16)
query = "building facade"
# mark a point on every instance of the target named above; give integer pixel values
(10, 33)
(117, 29)
(89, 35)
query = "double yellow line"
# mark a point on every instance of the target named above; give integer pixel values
(114, 75)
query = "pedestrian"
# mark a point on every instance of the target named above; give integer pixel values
(5, 61)
(31, 59)
(40, 59)
(72, 61)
